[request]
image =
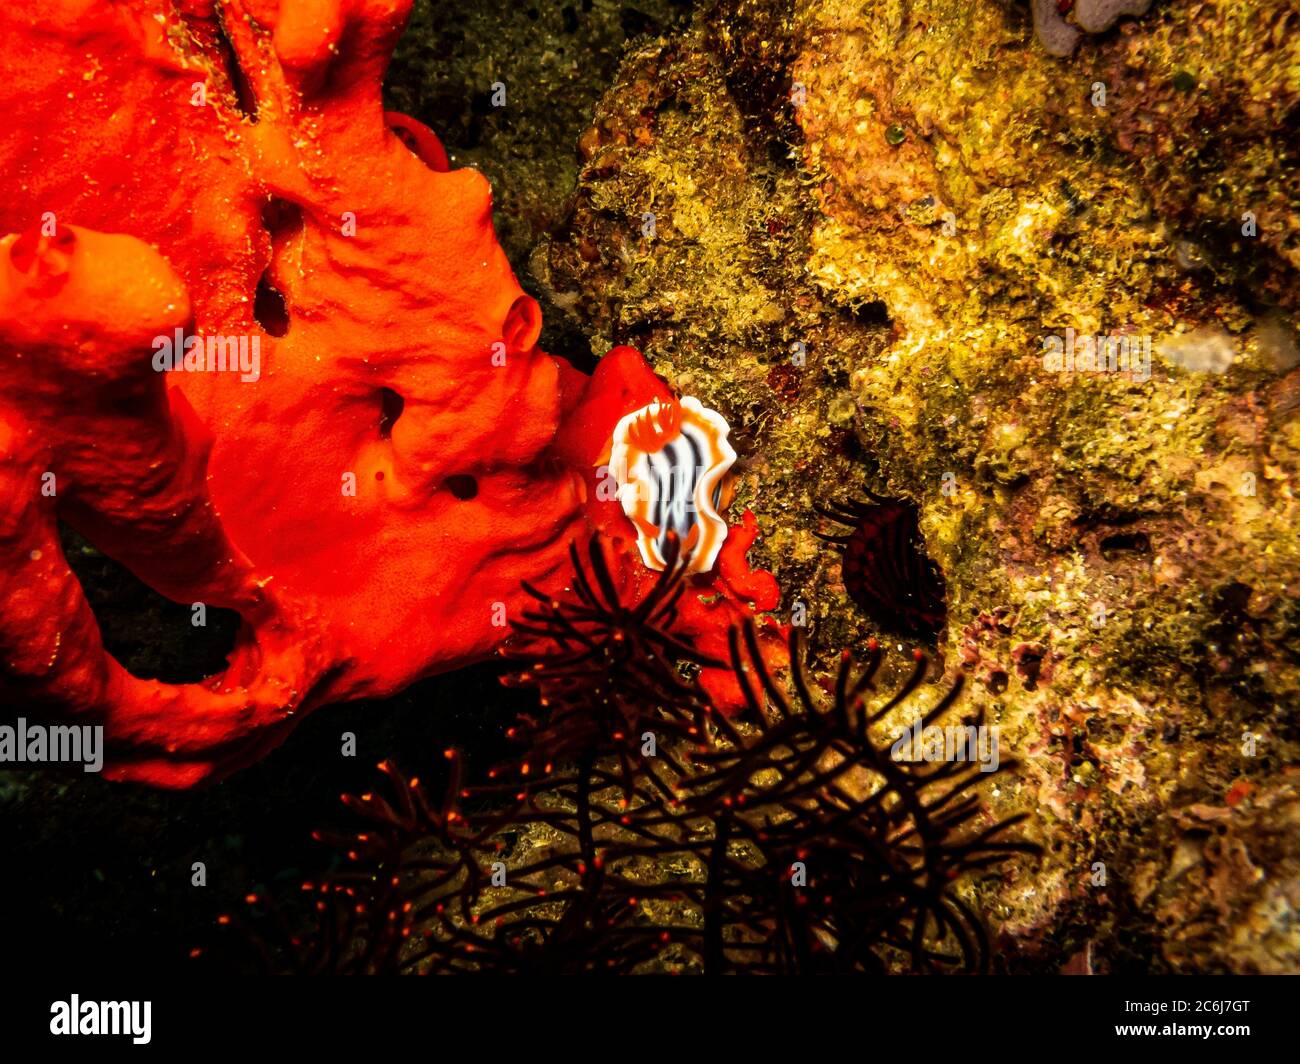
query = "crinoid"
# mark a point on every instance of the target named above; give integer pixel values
(886, 570)
(789, 840)
(516, 889)
(612, 675)
(854, 852)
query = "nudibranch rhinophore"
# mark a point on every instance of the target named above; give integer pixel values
(671, 461)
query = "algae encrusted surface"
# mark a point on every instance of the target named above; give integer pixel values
(858, 230)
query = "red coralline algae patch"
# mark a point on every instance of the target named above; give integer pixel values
(357, 445)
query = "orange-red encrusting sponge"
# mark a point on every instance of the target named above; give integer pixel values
(371, 500)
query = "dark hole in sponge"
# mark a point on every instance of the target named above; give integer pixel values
(152, 637)
(270, 309)
(281, 217)
(391, 406)
(420, 141)
(463, 486)
(245, 98)
(282, 220)
(523, 324)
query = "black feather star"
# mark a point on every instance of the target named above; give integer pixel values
(886, 570)
(607, 671)
(786, 840)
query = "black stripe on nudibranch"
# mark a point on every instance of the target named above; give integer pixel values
(885, 569)
(677, 469)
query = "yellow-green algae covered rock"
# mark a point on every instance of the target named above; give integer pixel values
(869, 233)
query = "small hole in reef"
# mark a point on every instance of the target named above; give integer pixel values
(523, 324)
(391, 406)
(565, 341)
(634, 23)
(1233, 602)
(872, 313)
(462, 485)
(269, 308)
(1125, 543)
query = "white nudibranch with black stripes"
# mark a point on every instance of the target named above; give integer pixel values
(671, 460)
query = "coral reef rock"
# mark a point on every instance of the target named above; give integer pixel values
(1050, 302)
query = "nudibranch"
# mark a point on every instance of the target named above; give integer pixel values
(671, 461)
